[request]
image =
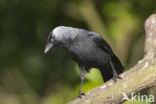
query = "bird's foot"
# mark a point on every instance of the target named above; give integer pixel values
(115, 77)
(80, 94)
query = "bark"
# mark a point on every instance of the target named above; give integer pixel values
(134, 80)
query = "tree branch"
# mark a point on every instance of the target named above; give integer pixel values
(137, 78)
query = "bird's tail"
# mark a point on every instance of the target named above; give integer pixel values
(107, 71)
(117, 64)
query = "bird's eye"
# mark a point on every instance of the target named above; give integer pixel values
(52, 39)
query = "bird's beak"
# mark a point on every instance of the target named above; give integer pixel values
(48, 47)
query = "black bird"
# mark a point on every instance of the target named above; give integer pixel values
(88, 49)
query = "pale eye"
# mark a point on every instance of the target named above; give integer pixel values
(52, 39)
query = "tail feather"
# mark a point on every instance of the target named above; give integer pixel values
(107, 72)
(117, 64)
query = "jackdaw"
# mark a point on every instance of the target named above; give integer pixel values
(88, 49)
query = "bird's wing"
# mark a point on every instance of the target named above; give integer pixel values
(101, 43)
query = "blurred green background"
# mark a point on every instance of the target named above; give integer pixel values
(27, 76)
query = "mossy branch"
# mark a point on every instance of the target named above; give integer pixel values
(137, 78)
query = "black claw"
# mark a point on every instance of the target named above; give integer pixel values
(83, 94)
(115, 77)
(80, 94)
(119, 77)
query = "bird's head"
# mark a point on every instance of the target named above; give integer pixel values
(61, 36)
(54, 38)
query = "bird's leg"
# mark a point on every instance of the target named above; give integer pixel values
(82, 72)
(115, 74)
